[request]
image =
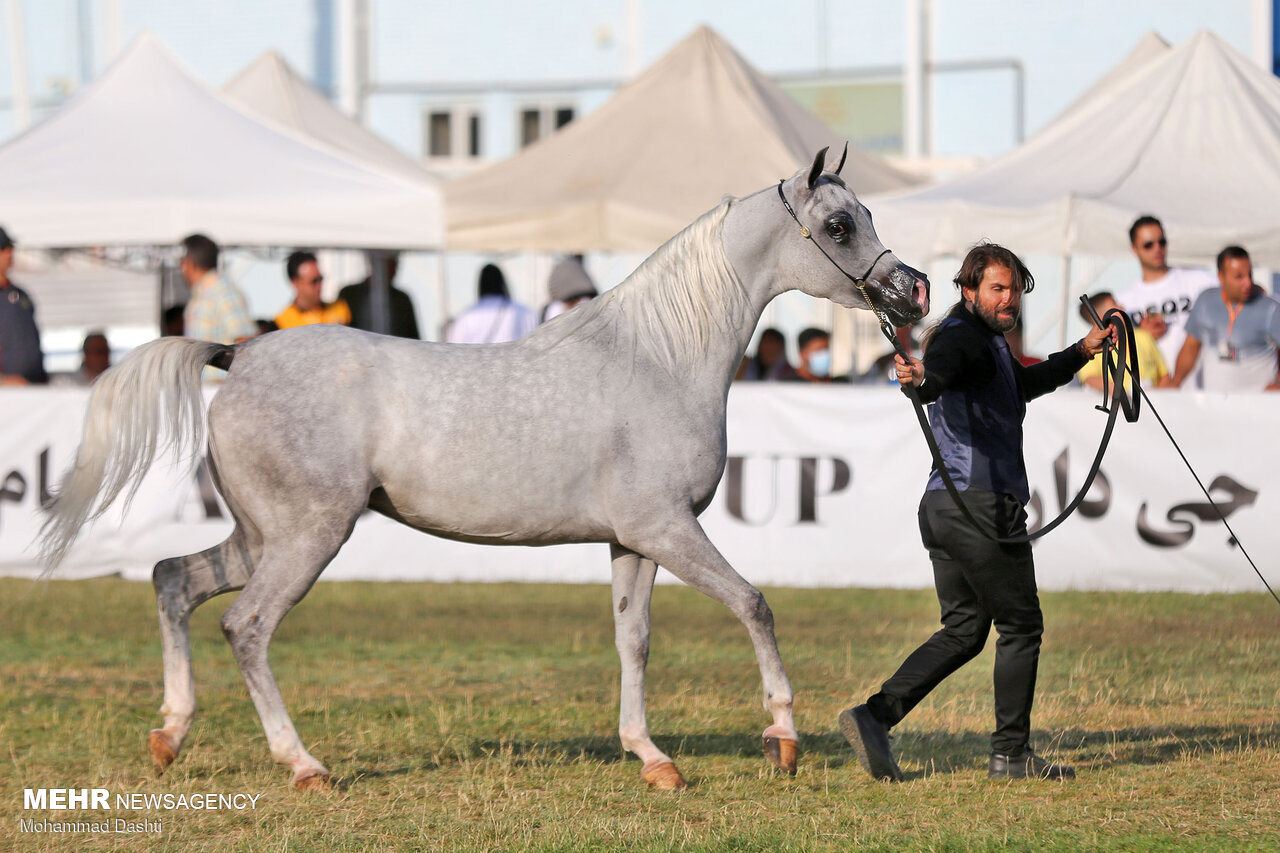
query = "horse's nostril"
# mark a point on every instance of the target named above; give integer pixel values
(920, 294)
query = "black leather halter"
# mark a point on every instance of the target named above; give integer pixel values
(859, 282)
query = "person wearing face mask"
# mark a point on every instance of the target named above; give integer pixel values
(815, 358)
(979, 395)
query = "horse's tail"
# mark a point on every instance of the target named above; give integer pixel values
(157, 386)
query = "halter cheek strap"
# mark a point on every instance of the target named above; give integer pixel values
(859, 282)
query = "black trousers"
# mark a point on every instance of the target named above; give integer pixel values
(979, 583)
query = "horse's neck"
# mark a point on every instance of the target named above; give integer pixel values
(686, 306)
(751, 235)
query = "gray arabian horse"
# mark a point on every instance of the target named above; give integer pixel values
(606, 424)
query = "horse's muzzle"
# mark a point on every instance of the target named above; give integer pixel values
(907, 295)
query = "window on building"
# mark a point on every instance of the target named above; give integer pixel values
(473, 134)
(439, 134)
(453, 131)
(539, 120)
(530, 126)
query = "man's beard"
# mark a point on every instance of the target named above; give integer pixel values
(994, 321)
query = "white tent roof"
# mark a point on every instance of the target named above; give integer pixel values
(698, 124)
(1151, 46)
(147, 154)
(269, 88)
(1190, 136)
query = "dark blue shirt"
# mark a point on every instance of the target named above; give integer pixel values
(979, 394)
(20, 352)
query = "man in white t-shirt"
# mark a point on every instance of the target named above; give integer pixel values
(1161, 300)
(496, 318)
(1233, 332)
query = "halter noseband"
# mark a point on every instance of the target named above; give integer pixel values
(859, 282)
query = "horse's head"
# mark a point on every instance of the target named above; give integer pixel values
(857, 266)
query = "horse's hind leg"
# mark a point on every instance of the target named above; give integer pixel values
(632, 591)
(182, 584)
(684, 549)
(283, 576)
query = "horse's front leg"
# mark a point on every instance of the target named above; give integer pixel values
(684, 549)
(632, 591)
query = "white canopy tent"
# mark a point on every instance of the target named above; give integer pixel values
(1190, 135)
(696, 125)
(272, 91)
(269, 88)
(147, 154)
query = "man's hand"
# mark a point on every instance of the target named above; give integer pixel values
(1091, 344)
(910, 371)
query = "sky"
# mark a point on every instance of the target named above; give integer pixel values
(1063, 47)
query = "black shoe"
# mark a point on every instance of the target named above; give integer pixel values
(1026, 765)
(870, 740)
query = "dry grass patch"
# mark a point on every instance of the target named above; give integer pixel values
(483, 717)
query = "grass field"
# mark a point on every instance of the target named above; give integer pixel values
(475, 717)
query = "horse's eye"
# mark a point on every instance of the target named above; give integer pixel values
(839, 230)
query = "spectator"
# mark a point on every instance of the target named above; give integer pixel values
(568, 287)
(217, 311)
(265, 326)
(96, 359)
(1160, 301)
(21, 359)
(495, 317)
(769, 364)
(815, 358)
(403, 320)
(307, 307)
(171, 321)
(1239, 326)
(1151, 366)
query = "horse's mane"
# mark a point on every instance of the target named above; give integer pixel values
(676, 301)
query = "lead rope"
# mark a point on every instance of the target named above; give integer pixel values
(1139, 390)
(1113, 392)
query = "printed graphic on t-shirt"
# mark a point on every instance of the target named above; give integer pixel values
(1169, 308)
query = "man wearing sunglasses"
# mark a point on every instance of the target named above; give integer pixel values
(307, 307)
(1160, 301)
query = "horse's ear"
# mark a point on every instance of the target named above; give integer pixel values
(816, 169)
(842, 156)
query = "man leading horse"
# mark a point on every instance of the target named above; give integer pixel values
(980, 395)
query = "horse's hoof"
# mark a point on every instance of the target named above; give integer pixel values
(663, 776)
(783, 752)
(162, 749)
(316, 780)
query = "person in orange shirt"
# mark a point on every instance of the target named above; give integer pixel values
(308, 307)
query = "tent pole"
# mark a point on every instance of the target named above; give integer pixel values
(1066, 300)
(379, 292)
(443, 291)
(18, 66)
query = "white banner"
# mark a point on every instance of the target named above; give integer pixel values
(820, 489)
